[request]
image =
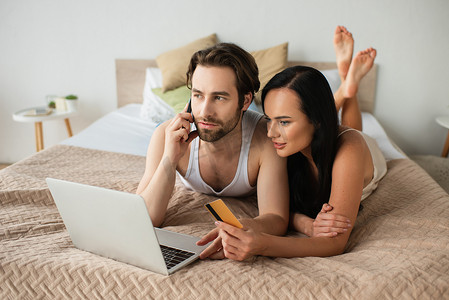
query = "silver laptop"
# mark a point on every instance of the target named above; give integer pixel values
(117, 225)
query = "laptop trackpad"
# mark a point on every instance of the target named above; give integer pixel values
(178, 240)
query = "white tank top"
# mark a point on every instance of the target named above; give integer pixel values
(239, 186)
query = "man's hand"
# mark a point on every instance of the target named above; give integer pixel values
(329, 225)
(178, 135)
(240, 244)
(215, 249)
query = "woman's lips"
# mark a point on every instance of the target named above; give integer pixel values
(279, 145)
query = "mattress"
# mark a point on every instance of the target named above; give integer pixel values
(398, 249)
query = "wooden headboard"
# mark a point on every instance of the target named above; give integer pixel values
(130, 76)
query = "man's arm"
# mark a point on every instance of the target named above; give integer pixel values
(156, 185)
(168, 144)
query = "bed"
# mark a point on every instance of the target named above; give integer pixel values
(398, 249)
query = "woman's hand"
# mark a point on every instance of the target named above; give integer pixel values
(240, 244)
(329, 225)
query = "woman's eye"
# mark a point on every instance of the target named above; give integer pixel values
(268, 119)
(283, 123)
(219, 98)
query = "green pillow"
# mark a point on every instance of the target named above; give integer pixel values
(176, 98)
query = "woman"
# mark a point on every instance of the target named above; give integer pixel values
(326, 162)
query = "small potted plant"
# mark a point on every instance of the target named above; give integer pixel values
(71, 102)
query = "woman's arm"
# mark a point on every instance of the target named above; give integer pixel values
(301, 223)
(240, 244)
(272, 186)
(348, 173)
(272, 194)
(324, 224)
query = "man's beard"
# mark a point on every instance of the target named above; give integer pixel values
(214, 135)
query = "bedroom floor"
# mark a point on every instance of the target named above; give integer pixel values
(437, 167)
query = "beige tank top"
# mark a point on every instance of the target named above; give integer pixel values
(379, 163)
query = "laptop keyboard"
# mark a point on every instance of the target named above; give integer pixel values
(174, 256)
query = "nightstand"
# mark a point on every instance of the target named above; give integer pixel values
(21, 116)
(444, 121)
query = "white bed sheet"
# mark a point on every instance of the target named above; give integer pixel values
(120, 131)
(373, 128)
(124, 131)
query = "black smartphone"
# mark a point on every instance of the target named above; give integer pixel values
(189, 108)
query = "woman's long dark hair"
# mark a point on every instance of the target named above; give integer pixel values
(307, 195)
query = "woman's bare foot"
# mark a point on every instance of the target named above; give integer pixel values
(360, 65)
(344, 46)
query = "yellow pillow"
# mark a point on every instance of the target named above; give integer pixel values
(270, 62)
(174, 63)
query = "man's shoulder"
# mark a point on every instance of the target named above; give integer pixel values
(260, 141)
(253, 114)
(260, 130)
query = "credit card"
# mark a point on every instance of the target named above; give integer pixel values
(221, 212)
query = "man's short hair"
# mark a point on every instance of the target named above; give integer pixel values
(229, 55)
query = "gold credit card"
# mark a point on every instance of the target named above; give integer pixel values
(221, 212)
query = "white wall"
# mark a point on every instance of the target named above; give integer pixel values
(61, 47)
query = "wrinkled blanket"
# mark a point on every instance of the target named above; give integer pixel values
(399, 247)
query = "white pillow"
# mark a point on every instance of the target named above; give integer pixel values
(154, 108)
(332, 78)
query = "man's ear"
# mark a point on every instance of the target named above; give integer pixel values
(247, 101)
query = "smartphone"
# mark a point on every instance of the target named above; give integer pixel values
(189, 108)
(222, 213)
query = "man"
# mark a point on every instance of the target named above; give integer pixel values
(232, 155)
